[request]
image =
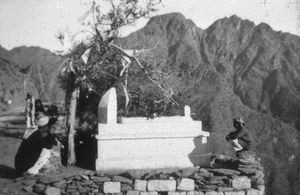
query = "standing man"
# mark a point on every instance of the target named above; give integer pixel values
(30, 111)
(240, 138)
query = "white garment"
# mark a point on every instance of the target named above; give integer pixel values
(236, 145)
(43, 160)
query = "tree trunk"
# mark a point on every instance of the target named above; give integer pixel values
(32, 112)
(71, 124)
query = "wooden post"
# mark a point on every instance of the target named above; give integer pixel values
(32, 112)
(71, 124)
(27, 113)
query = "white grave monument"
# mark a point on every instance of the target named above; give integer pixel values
(141, 143)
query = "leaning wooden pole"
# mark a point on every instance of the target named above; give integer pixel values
(71, 102)
(71, 127)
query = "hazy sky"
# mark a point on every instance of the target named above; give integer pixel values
(36, 22)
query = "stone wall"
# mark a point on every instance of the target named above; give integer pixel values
(244, 177)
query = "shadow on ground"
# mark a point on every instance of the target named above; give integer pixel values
(12, 134)
(7, 172)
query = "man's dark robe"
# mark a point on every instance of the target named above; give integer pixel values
(30, 150)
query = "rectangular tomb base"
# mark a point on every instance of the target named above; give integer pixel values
(118, 168)
(116, 156)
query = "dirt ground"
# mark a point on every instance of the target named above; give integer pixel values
(9, 144)
(12, 128)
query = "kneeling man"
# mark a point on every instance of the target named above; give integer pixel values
(240, 138)
(35, 149)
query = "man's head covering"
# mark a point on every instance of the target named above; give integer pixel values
(41, 120)
(239, 120)
(28, 95)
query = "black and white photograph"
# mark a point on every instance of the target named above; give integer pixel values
(150, 97)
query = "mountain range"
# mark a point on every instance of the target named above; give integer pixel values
(232, 68)
(29, 69)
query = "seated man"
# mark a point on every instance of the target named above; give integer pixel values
(35, 149)
(240, 138)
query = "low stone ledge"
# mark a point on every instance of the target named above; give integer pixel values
(112, 187)
(213, 193)
(254, 192)
(52, 191)
(235, 193)
(148, 193)
(122, 179)
(249, 180)
(161, 185)
(241, 183)
(132, 192)
(186, 184)
(225, 172)
(194, 193)
(177, 193)
(140, 185)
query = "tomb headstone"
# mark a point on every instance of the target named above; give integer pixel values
(107, 109)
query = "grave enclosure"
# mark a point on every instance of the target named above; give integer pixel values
(141, 143)
(138, 143)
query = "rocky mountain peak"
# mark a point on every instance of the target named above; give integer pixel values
(233, 22)
(170, 19)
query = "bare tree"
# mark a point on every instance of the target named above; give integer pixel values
(99, 56)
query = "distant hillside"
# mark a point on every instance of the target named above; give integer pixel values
(11, 85)
(39, 66)
(234, 68)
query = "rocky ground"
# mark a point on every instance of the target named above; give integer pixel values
(9, 144)
(225, 175)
